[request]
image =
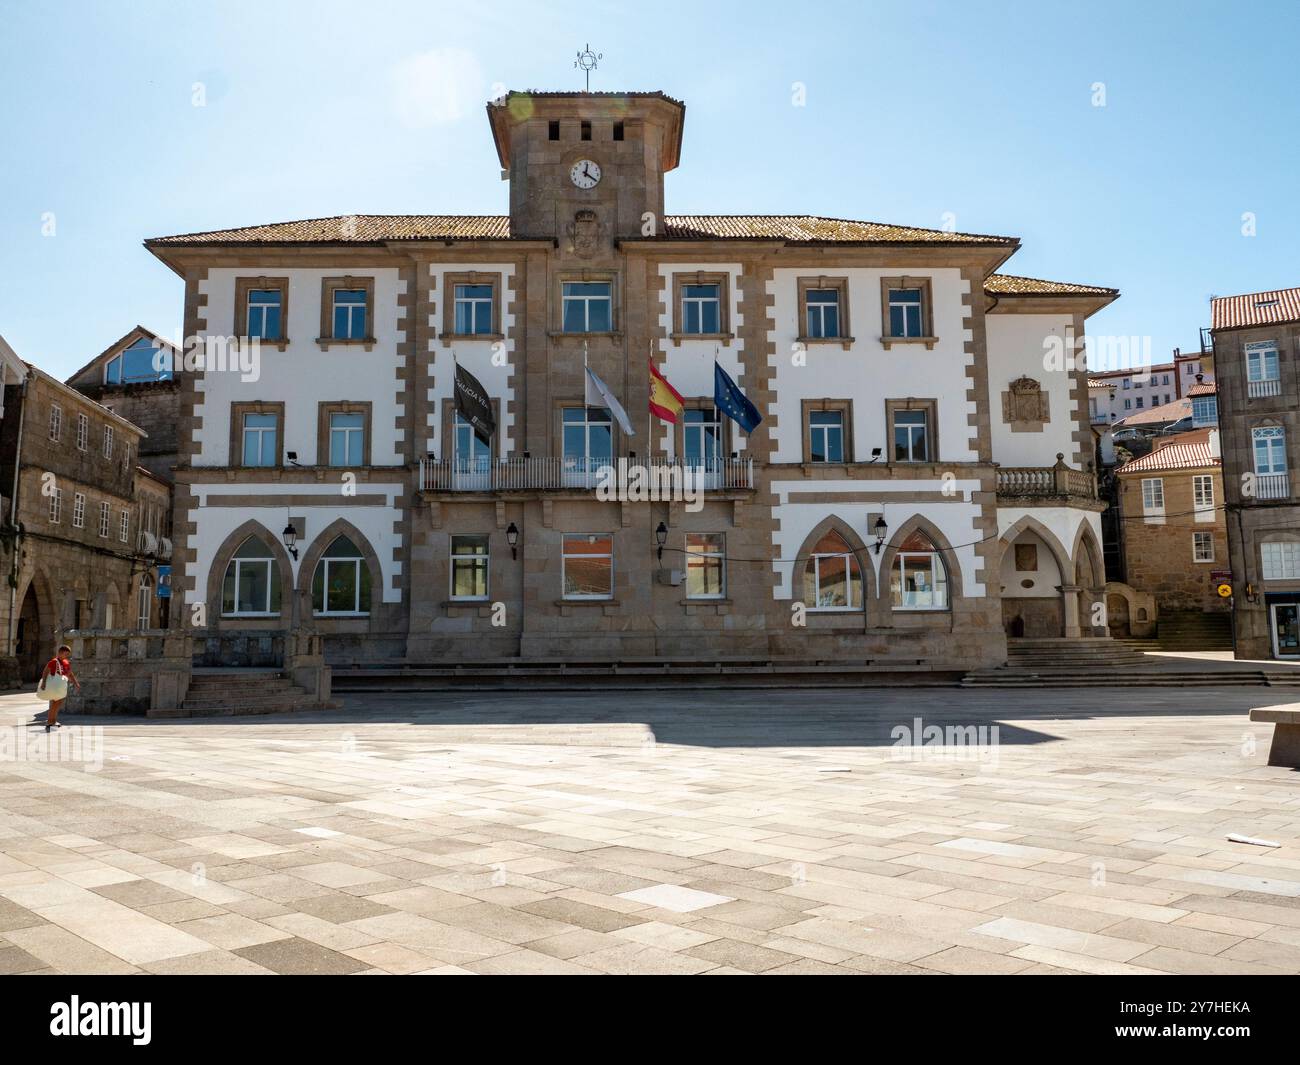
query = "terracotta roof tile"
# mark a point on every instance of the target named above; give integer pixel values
(1166, 412)
(1180, 454)
(362, 229)
(1255, 308)
(1203, 388)
(1010, 285)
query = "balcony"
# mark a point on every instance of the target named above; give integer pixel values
(1260, 389)
(566, 474)
(1051, 484)
(1272, 486)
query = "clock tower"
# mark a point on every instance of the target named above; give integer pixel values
(585, 168)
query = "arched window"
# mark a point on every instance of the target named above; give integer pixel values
(918, 580)
(144, 603)
(341, 583)
(832, 579)
(252, 584)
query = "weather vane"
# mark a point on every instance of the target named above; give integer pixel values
(586, 62)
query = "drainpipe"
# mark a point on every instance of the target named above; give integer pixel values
(13, 519)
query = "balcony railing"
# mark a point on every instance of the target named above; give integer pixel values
(1045, 482)
(1260, 389)
(1272, 486)
(549, 474)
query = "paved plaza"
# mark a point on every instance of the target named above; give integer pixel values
(682, 832)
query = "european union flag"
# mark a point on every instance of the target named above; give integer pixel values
(729, 399)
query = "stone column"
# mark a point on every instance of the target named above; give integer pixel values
(1070, 610)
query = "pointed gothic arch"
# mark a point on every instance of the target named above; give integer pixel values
(320, 544)
(952, 567)
(843, 528)
(217, 575)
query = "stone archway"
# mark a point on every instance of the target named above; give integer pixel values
(1089, 572)
(1036, 577)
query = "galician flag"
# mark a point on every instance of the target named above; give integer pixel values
(666, 402)
(729, 399)
(599, 395)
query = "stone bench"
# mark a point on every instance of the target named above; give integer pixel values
(1285, 750)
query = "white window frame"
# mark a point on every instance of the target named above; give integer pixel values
(1257, 362)
(56, 423)
(79, 510)
(698, 303)
(83, 433)
(818, 308)
(1276, 449)
(937, 569)
(918, 303)
(707, 552)
(850, 563)
(105, 519)
(564, 563)
(826, 431)
(261, 430)
(108, 441)
(56, 506)
(473, 303)
(1153, 500)
(124, 527)
(586, 300)
(144, 603)
(1203, 497)
(1199, 540)
(325, 563)
(239, 564)
(346, 432)
(915, 431)
(1279, 560)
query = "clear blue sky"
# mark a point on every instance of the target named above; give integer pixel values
(913, 110)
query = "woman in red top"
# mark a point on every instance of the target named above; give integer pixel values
(59, 665)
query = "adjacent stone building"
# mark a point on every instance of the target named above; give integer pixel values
(72, 545)
(1256, 340)
(920, 486)
(1174, 536)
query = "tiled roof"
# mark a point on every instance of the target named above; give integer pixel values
(369, 228)
(1203, 388)
(1255, 308)
(1097, 382)
(1185, 452)
(354, 229)
(1010, 285)
(1166, 412)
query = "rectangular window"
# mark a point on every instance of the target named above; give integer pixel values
(702, 309)
(1269, 446)
(56, 423)
(265, 313)
(1280, 561)
(588, 443)
(108, 441)
(905, 312)
(825, 436)
(1128, 404)
(56, 506)
(1202, 547)
(347, 438)
(587, 566)
(705, 566)
(78, 510)
(469, 567)
(349, 314)
(1153, 496)
(473, 310)
(83, 432)
(702, 437)
(911, 434)
(1139, 403)
(1261, 361)
(259, 440)
(553, 130)
(1128, 383)
(124, 527)
(822, 313)
(587, 306)
(105, 519)
(618, 131)
(1203, 492)
(585, 131)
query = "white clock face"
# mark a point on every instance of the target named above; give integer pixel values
(585, 174)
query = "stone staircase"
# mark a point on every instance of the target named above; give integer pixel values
(219, 692)
(1194, 630)
(1094, 663)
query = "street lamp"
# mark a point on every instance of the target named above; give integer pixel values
(290, 536)
(881, 530)
(661, 538)
(512, 538)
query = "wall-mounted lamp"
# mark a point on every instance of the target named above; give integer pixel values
(661, 538)
(881, 530)
(512, 538)
(290, 536)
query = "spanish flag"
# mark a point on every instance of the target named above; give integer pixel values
(666, 402)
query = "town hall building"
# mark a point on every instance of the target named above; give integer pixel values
(919, 489)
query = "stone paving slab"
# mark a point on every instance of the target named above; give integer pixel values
(681, 832)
